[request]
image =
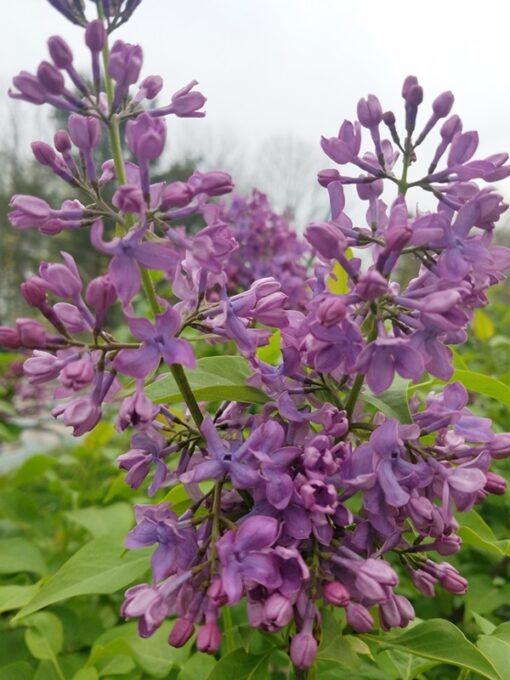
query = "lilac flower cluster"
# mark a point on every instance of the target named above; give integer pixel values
(316, 498)
(267, 246)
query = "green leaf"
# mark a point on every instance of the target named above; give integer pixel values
(198, 667)
(116, 518)
(45, 636)
(271, 353)
(33, 468)
(241, 666)
(18, 554)
(19, 670)
(100, 567)
(14, 597)
(393, 402)
(483, 327)
(497, 650)
(483, 384)
(86, 674)
(333, 646)
(338, 281)
(440, 641)
(486, 626)
(215, 379)
(476, 533)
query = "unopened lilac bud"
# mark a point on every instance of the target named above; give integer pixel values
(499, 447)
(325, 177)
(277, 611)
(447, 545)
(29, 89)
(50, 78)
(129, 199)
(442, 105)
(181, 632)
(337, 594)
(95, 35)
(216, 592)
(33, 291)
(326, 238)
(136, 411)
(369, 111)
(214, 183)
(186, 102)
(370, 190)
(42, 367)
(60, 52)
(9, 338)
(85, 131)
(303, 649)
(146, 137)
(495, 484)
(70, 316)
(176, 195)
(61, 279)
(424, 582)
(62, 141)
(43, 153)
(77, 374)
(359, 618)
(208, 638)
(389, 118)
(151, 86)
(450, 128)
(451, 580)
(31, 333)
(409, 82)
(331, 311)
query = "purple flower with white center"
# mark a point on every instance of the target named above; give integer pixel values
(158, 342)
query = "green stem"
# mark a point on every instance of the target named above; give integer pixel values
(358, 383)
(148, 286)
(226, 618)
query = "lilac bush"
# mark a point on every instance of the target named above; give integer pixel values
(314, 492)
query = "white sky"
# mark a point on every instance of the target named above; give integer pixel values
(296, 68)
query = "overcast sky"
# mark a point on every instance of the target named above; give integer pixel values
(283, 70)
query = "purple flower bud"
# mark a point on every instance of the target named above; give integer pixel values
(60, 52)
(95, 35)
(327, 239)
(129, 199)
(451, 580)
(146, 137)
(100, 295)
(44, 153)
(31, 333)
(442, 105)
(82, 415)
(325, 177)
(33, 291)
(77, 374)
(62, 141)
(9, 338)
(277, 612)
(450, 128)
(70, 316)
(495, 484)
(29, 89)
(337, 594)
(389, 118)
(359, 618)
(500, 446)
(181, 632)
(151, 86)
(463, 147)
(369, 112)
(424, 582)
(85, 131)
(447, 545)
(176, 195)
(409, 82)
(50, 78)
(208, 638)
(61, 279)
(214, 183)
(303, 649)
(371, 285)
(331, 311)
